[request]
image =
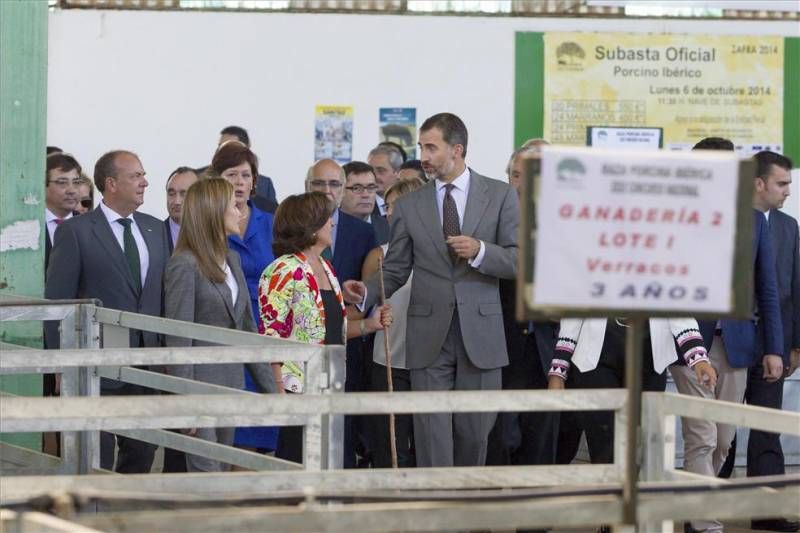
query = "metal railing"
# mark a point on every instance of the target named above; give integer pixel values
(463, 498)
(95, 344)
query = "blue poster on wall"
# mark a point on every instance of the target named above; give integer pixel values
(399, 125)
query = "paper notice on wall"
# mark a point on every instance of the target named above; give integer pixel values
(333, 133)
(635, 230)
(692, 86)
(399, 125)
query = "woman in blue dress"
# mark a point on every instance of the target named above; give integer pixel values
(235, 162)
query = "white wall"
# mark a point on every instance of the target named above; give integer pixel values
(164, 83)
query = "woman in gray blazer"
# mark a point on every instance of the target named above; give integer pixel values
(204, 284)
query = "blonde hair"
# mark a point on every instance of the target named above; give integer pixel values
(404, 186)
(203, 226)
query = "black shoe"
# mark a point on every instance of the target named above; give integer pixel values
(687, 528)
(603, 529)
(776, 524)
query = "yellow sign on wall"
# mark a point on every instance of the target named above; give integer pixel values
(693, 86)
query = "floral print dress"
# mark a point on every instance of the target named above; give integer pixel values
(291, 307)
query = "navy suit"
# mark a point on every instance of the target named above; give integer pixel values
(747, 340)
(354, 240)
(265, 198)
(786, 243)
(380, 225)
(764, 450)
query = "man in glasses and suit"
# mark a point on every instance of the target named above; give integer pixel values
(62, 179)
(360, 194)
(117, 255)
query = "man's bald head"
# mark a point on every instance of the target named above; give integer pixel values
(326, 176)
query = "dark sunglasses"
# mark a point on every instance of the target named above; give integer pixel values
(87, 203)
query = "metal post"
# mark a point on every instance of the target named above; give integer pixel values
(333, 424)
(312, 430)
(70, 386)
(89, 337)
(633, 384)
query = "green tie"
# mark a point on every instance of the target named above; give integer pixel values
(326, 253)
(131, 252)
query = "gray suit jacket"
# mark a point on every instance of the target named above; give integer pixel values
(438, 287)
(191, 297)
(786, 243)
(87, 262)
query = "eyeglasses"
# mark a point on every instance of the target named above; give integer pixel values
(87, 203)
(359, 189)
(321, 184)
(64, 182)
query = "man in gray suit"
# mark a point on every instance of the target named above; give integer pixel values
(459, 235)
(118, 256)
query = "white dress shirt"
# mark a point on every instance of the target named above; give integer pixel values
(50, 221)
(230, 281)
(381, 203)
(119, 232)
(460, 192)
(174, 230)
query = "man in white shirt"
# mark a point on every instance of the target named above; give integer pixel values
(177, 184)
(63, 176)
(387, 162)
(459, 235)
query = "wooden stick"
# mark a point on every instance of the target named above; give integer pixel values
(392, 437)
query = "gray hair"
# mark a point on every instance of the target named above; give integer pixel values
(529, 147)
(394, 156)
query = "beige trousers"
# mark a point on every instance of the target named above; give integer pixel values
(705, 443)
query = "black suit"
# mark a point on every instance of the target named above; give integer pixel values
(524, 438)
(86, 261)
(169, 236)
(47, 247)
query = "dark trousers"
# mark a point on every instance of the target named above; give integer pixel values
(378, 425)
(609, 374)
(764, 450)
(357, 380)
(174, 461)
(569, 437)
(524, 438)
(290, 443)
(133, 456)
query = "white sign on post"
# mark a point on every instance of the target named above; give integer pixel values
(635, 230)
(624, 138)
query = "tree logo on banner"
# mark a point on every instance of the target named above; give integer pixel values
(570, 54)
